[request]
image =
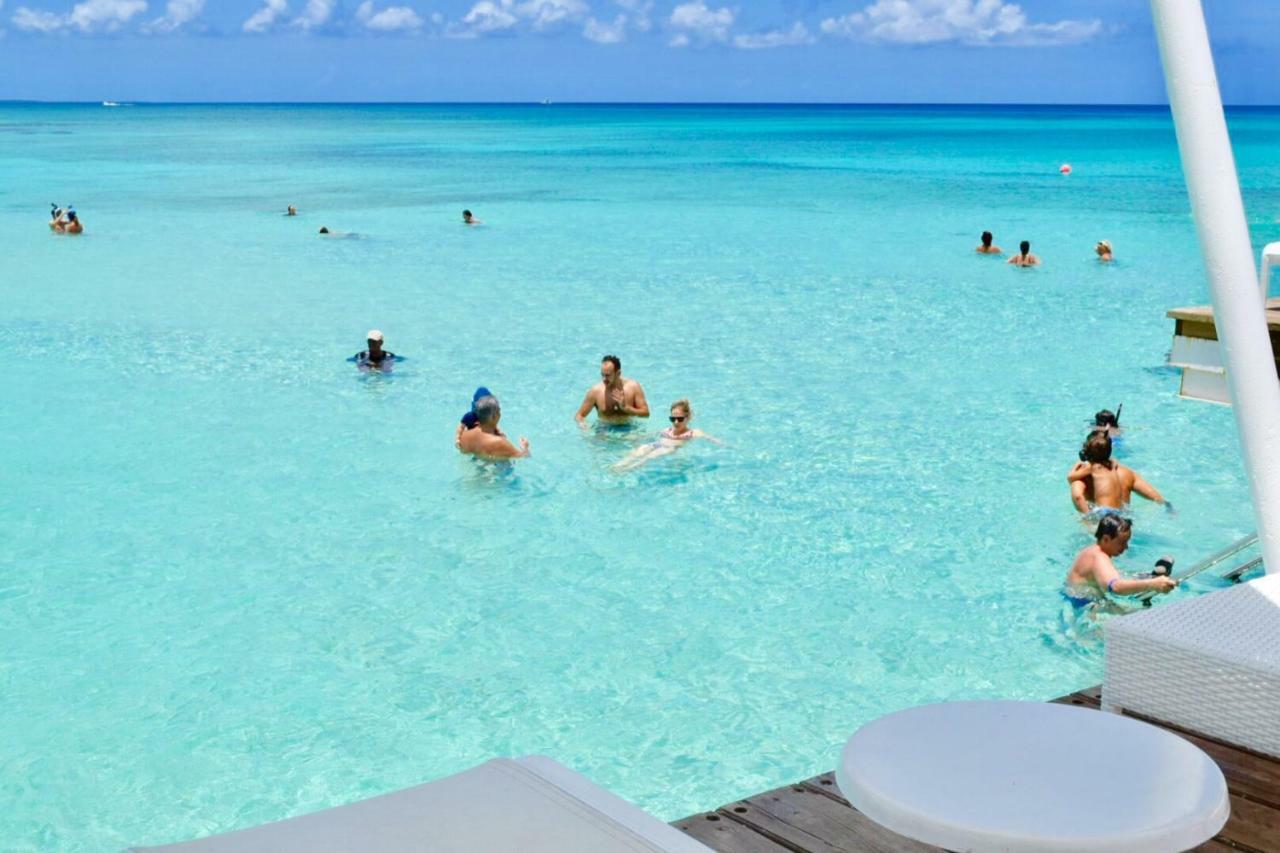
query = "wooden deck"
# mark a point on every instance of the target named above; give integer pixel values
(812, 816)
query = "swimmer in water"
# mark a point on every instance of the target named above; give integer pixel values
(469, 420)
(1108, 421)
(291, 211)
(375, 357)
(73, 225)
(1024, 258)
(486, 441)
(669, 440)
(615, 400)
(1093, 574)
(55, 218)
(468, 219)
(986, 248)
(1101, 485)
(1104, 251)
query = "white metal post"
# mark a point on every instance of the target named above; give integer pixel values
(1210, 170)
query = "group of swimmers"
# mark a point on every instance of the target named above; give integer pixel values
(63, 220)
(1100, 490)
(1024, 258)
(615, 400)
(468, 218)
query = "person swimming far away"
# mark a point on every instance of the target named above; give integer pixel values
(1103, 250)
(1024, 258)
(291, 210)
(486, 440)
(669, 440)
(469, 219)
(65, 221)
(985, 247)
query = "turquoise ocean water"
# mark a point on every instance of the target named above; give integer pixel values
(241, 581)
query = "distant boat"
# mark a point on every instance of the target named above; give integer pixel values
(545, 102)
(110, 104)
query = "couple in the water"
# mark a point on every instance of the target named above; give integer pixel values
(616, 400)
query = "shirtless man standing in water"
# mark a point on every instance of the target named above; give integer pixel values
(1093, 574)
(614, 398)
(1098, 482)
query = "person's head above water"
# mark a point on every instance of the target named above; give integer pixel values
(324, 230)
(291, 211)
(374, 339)
(681, 412)
(1113, 533)
(610, 368)
(1103, 247)
(1025, 246)
(487, 410)
(986, 239)
(1097, 447)
(1105, 418)
(466, 216)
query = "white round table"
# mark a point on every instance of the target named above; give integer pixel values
(1031, 776)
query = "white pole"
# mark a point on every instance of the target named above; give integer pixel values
(1210, 170)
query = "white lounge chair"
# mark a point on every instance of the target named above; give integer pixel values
(530, 805)
(1209, 664)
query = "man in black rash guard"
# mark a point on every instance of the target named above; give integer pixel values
(375, 357)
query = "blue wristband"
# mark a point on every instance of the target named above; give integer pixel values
(1111, 584)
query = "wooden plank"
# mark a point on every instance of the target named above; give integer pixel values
(725, 835)
(810, 820)
(1252, 825)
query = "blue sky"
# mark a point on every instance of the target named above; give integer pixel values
(970, 51)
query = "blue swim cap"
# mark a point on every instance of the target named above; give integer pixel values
(480, 392)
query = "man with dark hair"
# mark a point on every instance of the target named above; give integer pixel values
(614, 398)
(1099, 483)
(1024, 258)
(1093, 574)
(486, 440)
(986, 248)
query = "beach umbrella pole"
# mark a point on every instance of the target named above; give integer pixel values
(1210, 170)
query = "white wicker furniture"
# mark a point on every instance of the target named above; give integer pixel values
(530, 804)
(1210, 664)
(1019, 777)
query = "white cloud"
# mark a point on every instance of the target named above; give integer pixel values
(390, 19)
(87, 17)
(266, 17)
(484, 17)
(488, 16)
(605, 33)
(33, 20)
(973, 22)
(696, 20)
(798, 34)
(315, 15)
(177, 14)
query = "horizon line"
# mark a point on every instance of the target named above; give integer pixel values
(630, 103)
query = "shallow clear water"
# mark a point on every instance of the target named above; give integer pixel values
(240, 581)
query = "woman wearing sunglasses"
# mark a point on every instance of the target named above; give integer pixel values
(669, 440)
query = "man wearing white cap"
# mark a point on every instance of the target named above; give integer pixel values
(375, 357)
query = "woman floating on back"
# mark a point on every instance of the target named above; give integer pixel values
(669, 440)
